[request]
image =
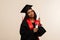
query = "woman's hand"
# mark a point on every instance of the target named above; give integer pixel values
(35, 29)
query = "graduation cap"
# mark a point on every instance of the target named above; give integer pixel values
(26, 8)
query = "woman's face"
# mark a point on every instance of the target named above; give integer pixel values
(30, 13)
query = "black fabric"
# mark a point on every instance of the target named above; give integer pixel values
(41, 31)
(27, 34)
(26, 8)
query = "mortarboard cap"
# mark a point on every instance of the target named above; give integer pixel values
(26, 8)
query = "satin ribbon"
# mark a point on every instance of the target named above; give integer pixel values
(37, 22)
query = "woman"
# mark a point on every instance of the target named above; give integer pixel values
(28, 30)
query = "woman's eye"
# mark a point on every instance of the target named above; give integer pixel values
(30, 11)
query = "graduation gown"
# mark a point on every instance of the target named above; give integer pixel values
(27, 34)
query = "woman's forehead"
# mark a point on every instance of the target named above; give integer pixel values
(30, 10)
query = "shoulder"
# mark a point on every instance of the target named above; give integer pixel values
(24, 23)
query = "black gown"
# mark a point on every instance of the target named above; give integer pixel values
(27, 34)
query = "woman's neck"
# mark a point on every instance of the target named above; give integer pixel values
(32, 20)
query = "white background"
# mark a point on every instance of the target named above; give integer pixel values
(11, 18)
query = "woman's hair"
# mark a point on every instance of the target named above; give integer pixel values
(26, 16)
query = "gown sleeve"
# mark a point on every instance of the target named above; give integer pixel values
(24, 30)
(41, 30)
